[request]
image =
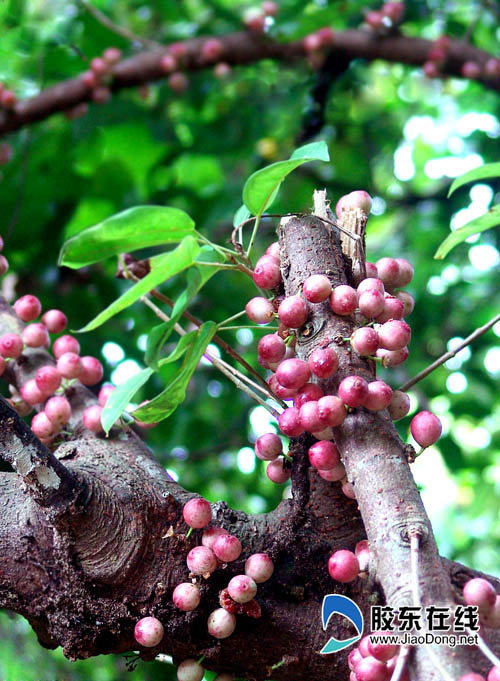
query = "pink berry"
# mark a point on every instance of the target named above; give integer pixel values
(388, 272)
(267, 273)
(259, 310)
(308, 393)
(259, 567)
(11, 345)
(470, 69)
(27, 308)
(353, 658)
(178, 50)
(293, 312)
(312, 42)
(353, 391)
(31, 393)
(370, 284)
(273, 250)
(326, 35)
(343, 300)
(333, 474)
(222, 70)
(92, 371)
(186, 596)
(492, 618)
(42, 426)
(355, 200)
(58, 410)
(210, 535)
(242, 588)
(370, 669)
(479, 592)
(112, 55)
(431, 69)
(492, 70)
(168, 63)
(255, 20)
(331, 410)
(22, 407)
(190, 670)
(405, 273)
(343, 566)
(393, 309)
(392, 358)
(270, 8)
(323, 362)
(221, 623)
(399, 406)
(374, 19)
(280, 390)
(471, 677)
(197, 512)
(148, 632)
(371, 303)
(201, 560)
(293, 373)
(48, 379)
(65, 344)
(276, 472)
(382, 651)
(362, 553)
(394, 334)
(394, 10)
(271, 348)
(227, 548)
(379, 396)
(69, 365)
(317, 288)
(89, 79)
(55, 321)
(211, 50)
(371, 270)
(364, 341)
(91, 418)
(324, 455)
(309, 417)
(425, 428)
(8, 99)
(178, 82)
(289, 422)
(494, 674)
(99, 66)
(268, 447)
(4, 265)
(104, 393)
(408, 302)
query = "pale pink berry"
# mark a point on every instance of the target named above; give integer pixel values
(280, 390)
(99, 66)
(370, 669)
(352, 660)
(394, 10)
(112, 55)
(178, 50)
(271, 348)
(259, 567)
(392, 358)
(363, 647)
(201, 560)
(211, 534)
(274, 250)
(89, 79)
(382, 651)
(268, 447)
(186, 596)
(242, 588)
(471, 69)
(293, 312)
(431, 69)
(259, 310)
(388, 272)
(362, 553)
(353, 391)
(317, 288)
(325, 434)
(324, 455)
(221, 623)
(371, 270)
(48, 379)
(190, 670)
(211, 50)
(4, 265)
(31, 393)
(11, 345)
(408, 302)
(293, 373)
(343, 566)
(393, 309)
(267, 273)
(105, 392)
(405, 273)
(425, 428)
(91, 418)
(36, 335)
(333, 474)
(22, 407)
(222, 70)
(148, 632)
(197, 512)
(364, 341)
(69, 365)
(178, 82)
(27, 308)
(331, 410)
(327, 36)
(55, 321)
(227, 547)
(254, 19)
(471, 676)
(92, 371)
(42, 426)
(394, 334)
(370, 284)
(371, 303)
(309, 417)
(312, 42)
(480, 592)
(343, 300)
(308, 393)
(492, 70)
(374, 19)
(494, 673)
(58, 410)
(357, 199)
(492, 618)
(379, 396)
(270, 8)
(65, 344)
(276, 472)
(323, 362)
(289, 422)
(399, 406)
(168, 63)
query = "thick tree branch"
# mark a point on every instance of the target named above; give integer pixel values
(237, 49)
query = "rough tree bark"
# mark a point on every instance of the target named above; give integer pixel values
(110, 547)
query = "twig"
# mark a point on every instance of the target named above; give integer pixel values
(399, 668)
(448, 355)
(487, 652)
(119, 30)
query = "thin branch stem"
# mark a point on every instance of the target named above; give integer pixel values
(267, 329)
(234, 316)
(399, 668)
(448, 355)
(254, 234)
(487, 652)
(119, 30)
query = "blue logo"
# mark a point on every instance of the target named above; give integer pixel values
(335, 604)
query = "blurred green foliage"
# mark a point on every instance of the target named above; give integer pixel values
(389, 131)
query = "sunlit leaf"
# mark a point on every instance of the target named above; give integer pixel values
(481, 224)
(488, 171)
(120, 398)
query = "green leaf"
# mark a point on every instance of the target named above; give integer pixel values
(481, 224)
(485, 172)
(124, 232)
(261, 188)
(120, 398)
(241, 215)
(164, 404)
(163, 267)
(180, 349)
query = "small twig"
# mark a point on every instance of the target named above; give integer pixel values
(399, 668)
(267, 329)
(448, 355)
(119, 30)
(230, 319)
(487, 652)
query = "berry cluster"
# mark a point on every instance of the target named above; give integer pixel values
(372, 661)
(439, 54)
(344, 566)
(386, 18)
(256, 18)
(98, 77)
